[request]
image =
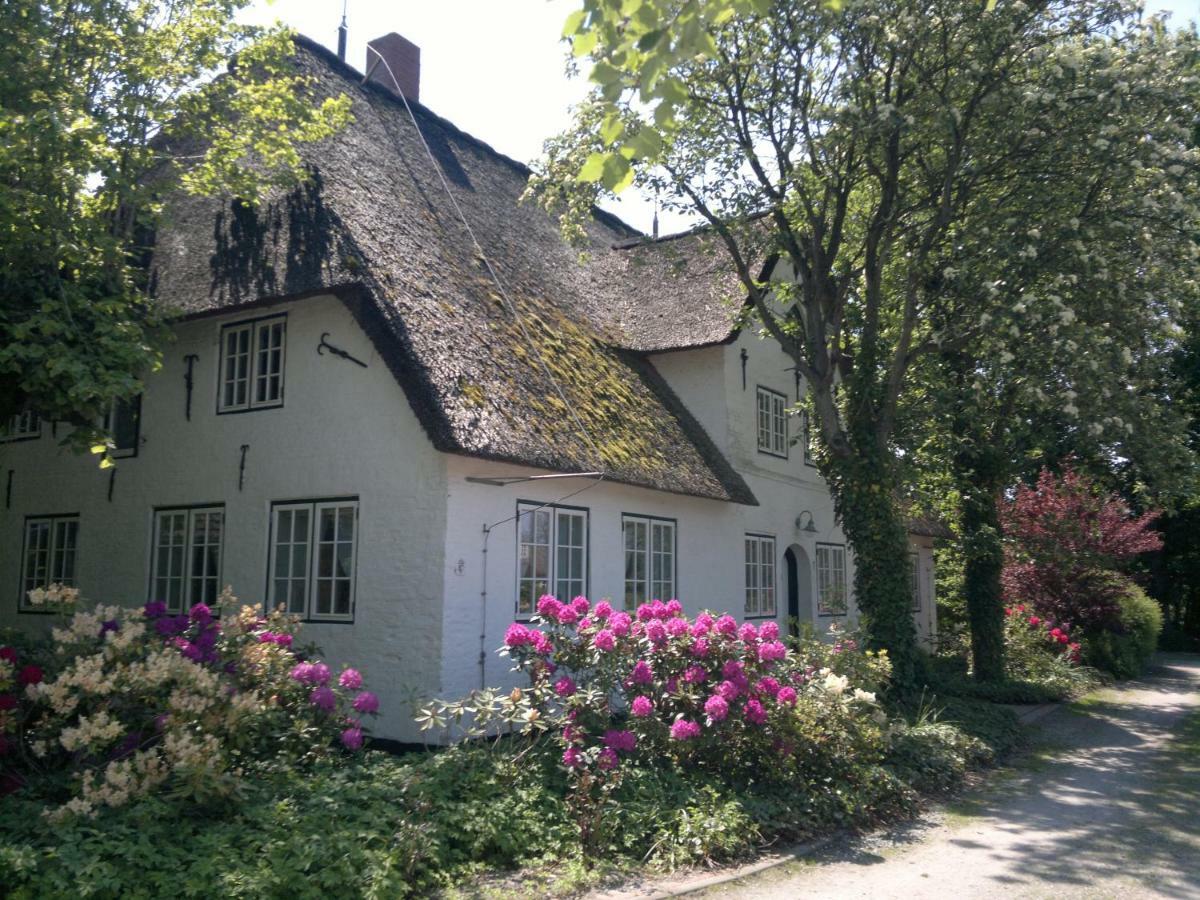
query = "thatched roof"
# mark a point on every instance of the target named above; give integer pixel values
(376, 227)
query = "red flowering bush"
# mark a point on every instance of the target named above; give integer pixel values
(1065, 539)
(142, 700)
(608, 689)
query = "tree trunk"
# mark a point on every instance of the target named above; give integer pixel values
(863, 484)
(984, 562)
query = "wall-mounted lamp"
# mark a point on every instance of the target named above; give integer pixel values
(811, 527)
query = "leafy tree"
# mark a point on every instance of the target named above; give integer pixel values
(104, 106)
(868, 151)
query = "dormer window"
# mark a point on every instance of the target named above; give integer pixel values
(252, 355)
(772, 422)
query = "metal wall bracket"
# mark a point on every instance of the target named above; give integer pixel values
(336, 351)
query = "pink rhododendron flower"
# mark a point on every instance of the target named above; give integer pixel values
(366, 702)
(608, 759)
(581, 606)
(755, 712)
(732, 668)
(726, 625)
(768, 687)
(772, 651)
(310, 673)
(572, 758)
(700, 648)
(1033, 620)
(1055, 632)
(619, 623)
(541, 643)
(677, 627)
(605, 640)
(728, 690)
(564, 687)
(548, 606)
(642, 673)
(30, 674)
(695, 674)
(7, 702)
(323, 697)
(350, 679)
(769, 631)
(703, 625)
(603, 610)
(716, 707)
(673, 608)
(748, 633)
(200, 612)
(625, 741)
(1063, 639)
(656, 631)
(786, 696)
(517, 635)
(642, 706)
(672, 685)
(352, 738)
(567, 615)
(684, 730)
(637, 629)
(585, 623)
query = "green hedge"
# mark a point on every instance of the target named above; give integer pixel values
(1124, 653)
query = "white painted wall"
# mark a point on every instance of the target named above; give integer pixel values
(343, 430)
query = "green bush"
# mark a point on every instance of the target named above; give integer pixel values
(1125, 652)
(934, 757)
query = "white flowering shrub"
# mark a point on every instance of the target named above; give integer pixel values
(190, 704)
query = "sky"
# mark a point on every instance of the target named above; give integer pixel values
(495, 68)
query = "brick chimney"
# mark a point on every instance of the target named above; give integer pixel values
(404, 58)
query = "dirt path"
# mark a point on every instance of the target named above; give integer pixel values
(1110, 807)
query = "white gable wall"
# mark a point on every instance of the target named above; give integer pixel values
(342, 431)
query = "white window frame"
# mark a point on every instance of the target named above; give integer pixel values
(831, 576)
(55, 552)
(914, 562)
(133, 408)
(259, 371)
(312, 574)
(651, 570)
(193, 587)
(771, 422)
(567, 564)
(22, 426)
(761, 576)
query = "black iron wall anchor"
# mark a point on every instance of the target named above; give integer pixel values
(112, 477)
(336, 351)
(191, 360)
(745, 357)
(8, 490)
(242, 467)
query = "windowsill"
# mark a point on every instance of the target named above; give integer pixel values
(250, 409)
(837, 615)
(16, 439)
(772, 453)
(760, 616)
(36, 612)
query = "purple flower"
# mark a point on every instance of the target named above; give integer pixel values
(605, 640)
(110, 625)
(168, 625)
(350, 679)
(564, 687)
(200, 613)
(625, 741)
(642, 673)
(786, 696)
(352, 738)
(572, 758)
(154, 609)
(620, 623)
(684, 730)
(732, 668)
(771, 651)
(642, 706)
(755, 712)
(716, 707)
(366, 702)
(603, 610)
(323, 698)
(769, 631)
(768, 687)
(608, 759)
(695, 674)
(190, 650)
(728, 690)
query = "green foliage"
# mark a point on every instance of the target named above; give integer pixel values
(934, 757)
(103, 107)
(1124, 652)
(996, 726)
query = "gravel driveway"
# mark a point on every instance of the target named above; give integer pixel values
(1110, 807)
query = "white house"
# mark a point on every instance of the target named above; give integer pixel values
(351, 423)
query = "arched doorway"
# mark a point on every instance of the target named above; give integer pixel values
(799, 588)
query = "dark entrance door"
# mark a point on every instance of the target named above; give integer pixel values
(793, 592)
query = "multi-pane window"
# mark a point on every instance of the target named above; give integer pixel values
(914, 568)
(772, 422)
(552, 544)
(649, 559)
(20, 426)
(186, 564)
(51, 549)
(314, 546)
(760, 575)
(831, 580)
(123, 422)
(252, 357)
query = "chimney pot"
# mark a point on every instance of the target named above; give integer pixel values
(404, 59)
